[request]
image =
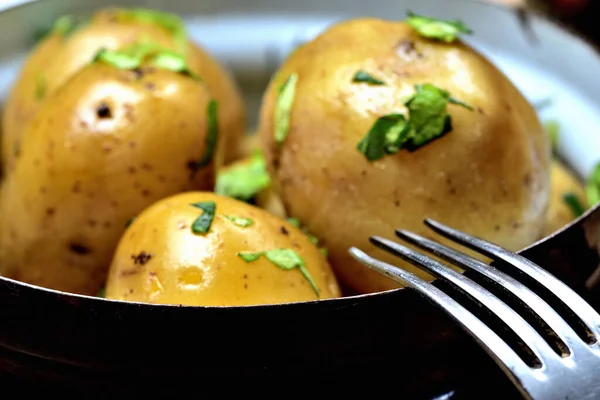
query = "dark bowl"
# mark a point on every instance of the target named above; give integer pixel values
(59, 342)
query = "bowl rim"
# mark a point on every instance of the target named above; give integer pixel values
(526, 15)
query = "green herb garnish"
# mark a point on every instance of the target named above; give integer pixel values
(170, 22)
(386, 136)
(364, 77)
(40, 86)
(203, 222)
(285, 259)
(428, 120)
(102, 293)
(134, 55)
(283, 108)
(573, 202)
(439, 29)
(212, 136)
(552, 129)
(240, 221)
(245, 180)
(593, 187)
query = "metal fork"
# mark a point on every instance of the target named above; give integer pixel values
(573, 374)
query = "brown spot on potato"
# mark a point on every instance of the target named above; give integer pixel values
(106, 147)
(50, 211)
(43, 189)
(103, 111)
(92, 223)
(181, 225)
(480, 111)
(528, 179)
(83, 124)
(132, 144)
(162, 178)
(283, 230)
(79, 248)
(145, 193)
(150, 86)
(191, 165)
(138, 73)
(114, 203)
(408, 49)
(142, 258)
(363, 172)
(397, 203)
(147, 167)
(76, 187)
(517, 225)
(452, 190)
(497, 228)
(245, 276)
(131, 170)
(129, 112)
(107, 224)
(245, 286)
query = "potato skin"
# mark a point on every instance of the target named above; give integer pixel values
(562, 181)
(489, 176)
(181, 267)
(57, 58)
(83, 174)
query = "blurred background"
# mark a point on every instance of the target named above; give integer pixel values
(579, 15)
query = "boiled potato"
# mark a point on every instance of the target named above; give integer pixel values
(70, 46)
(104, 146)
(563, 182)
(488, 175)
(161, 260)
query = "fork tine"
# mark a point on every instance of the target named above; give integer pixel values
(526, 333)
(568, 296)
(512, 365)
(539, 306)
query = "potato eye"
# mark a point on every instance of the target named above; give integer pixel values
(103, 111)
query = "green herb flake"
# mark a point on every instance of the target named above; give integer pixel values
(386, 136)
(245, 180)
(438, 29)
(285, 259)
(170, 22)
(129, 222)
(249, 257)
(212, 136)
(172, 61)
(240, 221)
(283, 107)
(40, 86)
(573, 202)
(132, 57)
(364, 77)
(552, 129)
(428, 120)
(593, 187)
(102, 293)
(203, 222)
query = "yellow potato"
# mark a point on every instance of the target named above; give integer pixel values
(58, 57)
(161, 260)
(106, 145)
(563, 182)
(488, 176)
